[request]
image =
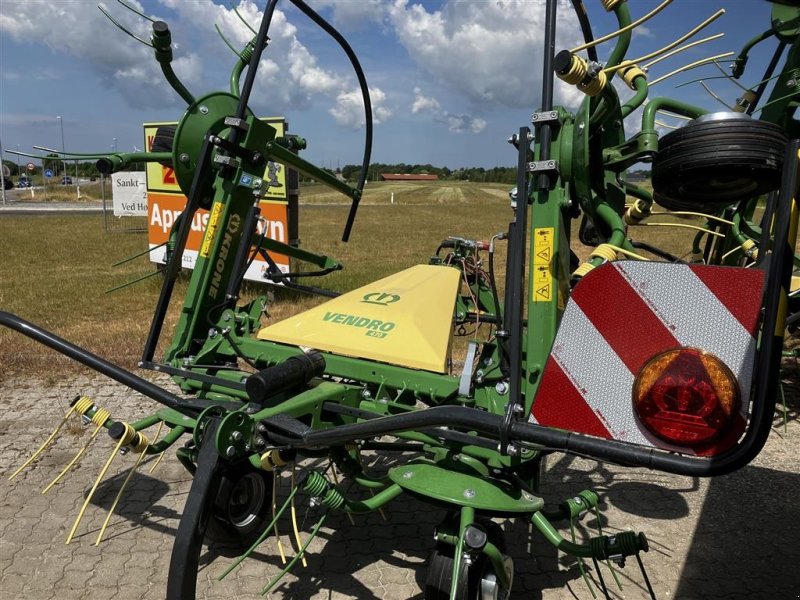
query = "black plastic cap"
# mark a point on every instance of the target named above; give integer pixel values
(475, 537)
(105, 166)
(562, 61)
(160, 28)
(117, 430)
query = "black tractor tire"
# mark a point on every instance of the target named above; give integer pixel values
(163, 140)
(717, 160)
(440, 576)
(440, 569)
(243, 506)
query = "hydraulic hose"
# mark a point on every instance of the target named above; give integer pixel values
(586, 28)
(362, 82)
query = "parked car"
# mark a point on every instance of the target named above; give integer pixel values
(24, 182)
(66, 180)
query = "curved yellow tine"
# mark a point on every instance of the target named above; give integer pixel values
(161, 455)
(274, 507)
(75, 459)
(122, 441)
(46, 443)
(119, 495)
(295, 528)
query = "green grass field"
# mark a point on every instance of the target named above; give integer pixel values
(56, 269)
(410, 192)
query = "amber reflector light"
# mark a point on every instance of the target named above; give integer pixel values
(686, 396)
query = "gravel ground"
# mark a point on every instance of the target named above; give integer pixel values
(731, 537)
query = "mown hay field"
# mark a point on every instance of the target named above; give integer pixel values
(56, 269)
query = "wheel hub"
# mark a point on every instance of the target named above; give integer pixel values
(246, 499)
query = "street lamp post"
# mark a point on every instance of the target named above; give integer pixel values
(63, 151)
(2, 176)
(115, 145)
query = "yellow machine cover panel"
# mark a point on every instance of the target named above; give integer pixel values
(404, 319)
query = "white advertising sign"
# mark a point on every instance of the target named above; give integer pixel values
(129, 191)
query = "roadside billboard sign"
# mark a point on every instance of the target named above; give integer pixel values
(129, 193)
(165, 202)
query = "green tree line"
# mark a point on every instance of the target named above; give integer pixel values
(478, 174)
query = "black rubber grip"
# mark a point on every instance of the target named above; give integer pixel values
(105, 166)
(295, 371)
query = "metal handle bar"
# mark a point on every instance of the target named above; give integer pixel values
(93, 361)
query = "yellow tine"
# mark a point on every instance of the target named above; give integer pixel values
(119, 495)
(276, 478)
(160, 456)
(158, 461)
(122, 441)
(46, 443)
(77, 457)
(294, 522)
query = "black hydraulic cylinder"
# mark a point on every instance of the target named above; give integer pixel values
(295, 371)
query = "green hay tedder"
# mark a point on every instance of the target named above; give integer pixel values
(634, 356)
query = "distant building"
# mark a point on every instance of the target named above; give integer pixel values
(409, 177)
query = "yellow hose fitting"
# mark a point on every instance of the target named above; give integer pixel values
(636, 212)
(100, 417)
(570, 68)
(750, 249)
(610, 5)
(594, 85)
(629, 74)
(83, 405)
(582, 270)
(126, 435)
(272, 460)
(604, 251)
(141, 442)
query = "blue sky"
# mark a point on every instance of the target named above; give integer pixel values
(450, 80)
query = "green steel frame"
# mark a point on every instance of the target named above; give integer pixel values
(575, 166)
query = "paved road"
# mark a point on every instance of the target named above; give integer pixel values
(734, 537)
(18, 207)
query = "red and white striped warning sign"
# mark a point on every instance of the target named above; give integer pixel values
(622, 314)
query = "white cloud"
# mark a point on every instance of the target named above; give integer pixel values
(349, 109)
(464, 123)
(352, 15)
(461, 123)
(423, 103)
(490, 52)
(289, 75)
(304, 72)
(83, 32)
